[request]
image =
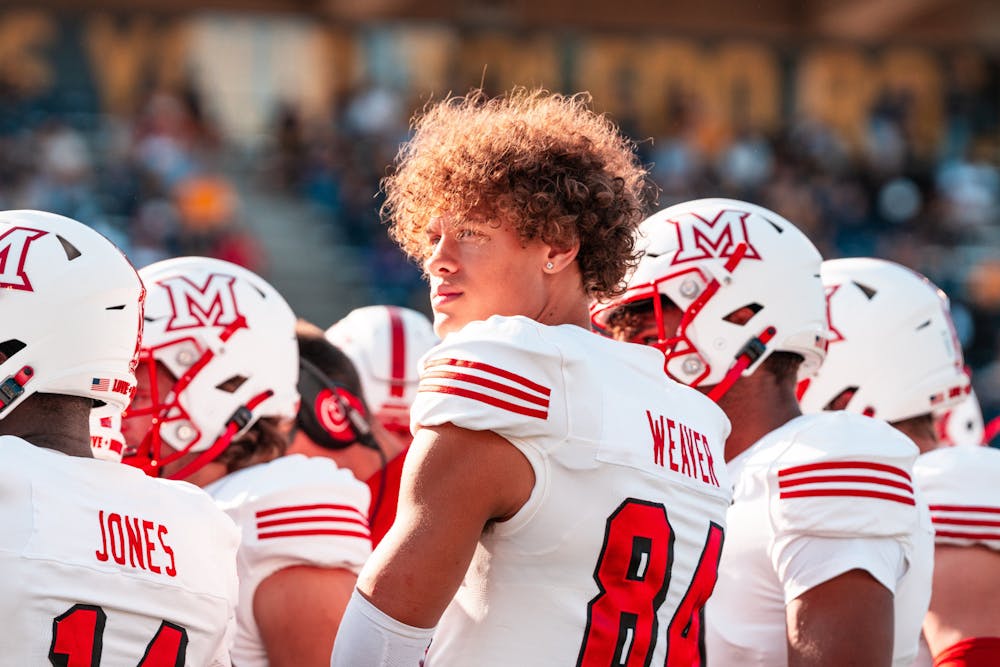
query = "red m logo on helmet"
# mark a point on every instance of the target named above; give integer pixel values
(14, 244)
(700, 238)
(210, 305)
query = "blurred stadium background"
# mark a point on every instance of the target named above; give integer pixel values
(257, 130)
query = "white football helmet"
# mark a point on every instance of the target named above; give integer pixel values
(385, 343)
(71, 307)
(892, 343)
(106, 439)
(963, 424)
(711, 258)
(228, 339)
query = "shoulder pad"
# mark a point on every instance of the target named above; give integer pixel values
(960, 485)
(499, 375)
(298, 510)
(843, 475)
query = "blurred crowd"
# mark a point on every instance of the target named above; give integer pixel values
(938, 214)
(155, 184)
(158, 186)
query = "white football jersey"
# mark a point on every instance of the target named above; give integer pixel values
(102, 565)
(822, 495)
(962, 487)
(294, 510)
(616, 549)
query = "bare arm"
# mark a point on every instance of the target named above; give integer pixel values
(454, 482)
(965, 599)
(298, 610)
(847, 620)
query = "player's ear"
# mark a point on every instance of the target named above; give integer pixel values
(559, 257)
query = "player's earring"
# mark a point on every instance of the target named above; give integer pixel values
(549, 266)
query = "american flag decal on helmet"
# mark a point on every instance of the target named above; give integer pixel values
(311, 520)
(857, 479)
(488, 384)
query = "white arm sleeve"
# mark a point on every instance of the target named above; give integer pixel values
(369, 638)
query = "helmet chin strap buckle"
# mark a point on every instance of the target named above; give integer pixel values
(751, 352)
(241, 418)
(755, 347)
(12, 388)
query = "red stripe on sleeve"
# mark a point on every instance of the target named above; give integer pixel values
(859, 493)
(982, 523)
(318, 531)
(311, 519)
(841, 465)
(965, 508)
(484, 398)
(464, 363)
(303, 508)
(861, 479)
(489, 384)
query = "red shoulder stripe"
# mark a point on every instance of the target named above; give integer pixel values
(861, 479)
(487, 368)
(318, 531)
(841, 465)
(485, 398)
(965, 508)
(305, 508)
(311, 519)
(489, 384)
(858, 493)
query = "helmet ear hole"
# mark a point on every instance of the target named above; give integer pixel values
(840, 401)
(10, 347)
(743, 314)
(869, 292)
(72, 252)
(232, 384)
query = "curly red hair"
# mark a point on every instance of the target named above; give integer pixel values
(544, 163)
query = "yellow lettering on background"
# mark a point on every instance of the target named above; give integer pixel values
(836, 85)
(607, 68)
(916, 74)
(508, 60)
(170, 66)
(118, 57)
(671, 73)
(749, 85)
(23, 35)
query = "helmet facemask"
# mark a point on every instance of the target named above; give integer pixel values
(212, 369)
(752, 291)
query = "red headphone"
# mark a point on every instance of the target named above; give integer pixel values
(330, 414)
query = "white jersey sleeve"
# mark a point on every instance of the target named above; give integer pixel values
(292, 511)
(961, 486)
(498, 375)
(843, 483)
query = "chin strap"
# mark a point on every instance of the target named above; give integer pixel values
(147, 455)
(12, 388)
(750, 353)
(991, 431)
(236, 423)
